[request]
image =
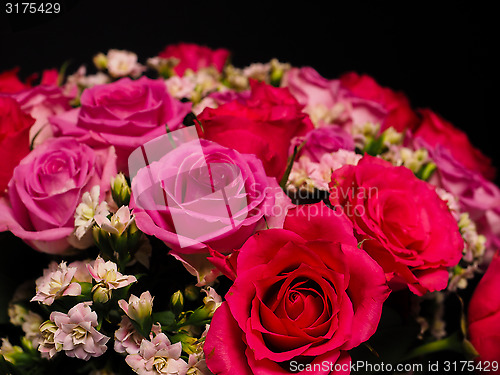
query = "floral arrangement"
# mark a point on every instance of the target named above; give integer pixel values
(194, 217)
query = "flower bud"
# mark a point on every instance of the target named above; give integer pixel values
(139, 309)
(101, 293)
(177, 302)
(100, 61)
(277, 71)
(120, 190)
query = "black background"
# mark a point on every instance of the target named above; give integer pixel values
(440, 55)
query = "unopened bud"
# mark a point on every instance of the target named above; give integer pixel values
(120, 190)
(177, 302)
(100, 61)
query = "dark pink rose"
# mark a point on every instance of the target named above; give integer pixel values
(46, 188)
(14, 138)
(202, 194)
(263, 124)
(195, 57)
(400, 115)
(125, 114)
(297, 300)
(484, 315)
(435, 130)
(403, 223)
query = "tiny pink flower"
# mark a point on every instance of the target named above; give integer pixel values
(212, 300)
(77, 334)
(108, 278)
(82, 274)
(158, 356)
(138, 308)
(197, 365)
(127, 339)
(118, 223)
(47, 346)
(57, 281)
(123, 63)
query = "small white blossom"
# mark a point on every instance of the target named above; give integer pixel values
(87, 210)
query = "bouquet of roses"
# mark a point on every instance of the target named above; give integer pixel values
(187, 216)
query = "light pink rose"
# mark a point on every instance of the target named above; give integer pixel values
(46, 188)
(126, 114)
(335, 104)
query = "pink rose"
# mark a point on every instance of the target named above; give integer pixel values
(327, 102)
(14, 138)
(297, 301)
(46, 188)
(435, 130)
(202, 194)
(262, 124)
(484, 315)
(195, 57)
(403, 223)
(477, 196)
(126, 114)
(400, 114)
(321, 141)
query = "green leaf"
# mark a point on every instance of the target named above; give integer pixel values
(166, 319)
(289, 167)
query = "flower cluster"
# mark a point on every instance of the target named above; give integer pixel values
(278, 219)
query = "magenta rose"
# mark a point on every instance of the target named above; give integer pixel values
(202, 194)
(484, 315)
(124, 114)
(262, 124)
(195, 57)
(46, 188)
(297, 302)
(435, 130)
(403, 223)
(400, 114)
